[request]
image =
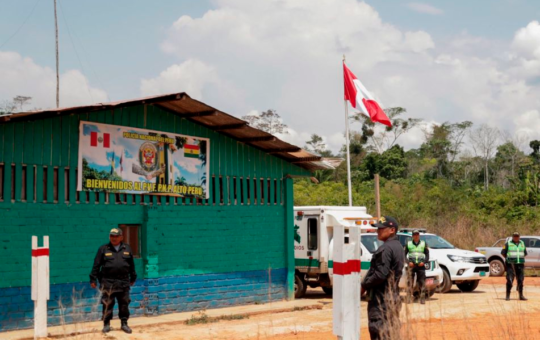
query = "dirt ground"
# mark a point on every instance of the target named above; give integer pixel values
(480, 315)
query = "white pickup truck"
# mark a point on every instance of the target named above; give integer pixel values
(496, 260)
(463, 268)
(434, 273)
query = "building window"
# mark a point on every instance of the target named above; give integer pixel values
(312, 234)
(131, 234)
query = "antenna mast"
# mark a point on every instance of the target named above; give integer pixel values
(57, 62)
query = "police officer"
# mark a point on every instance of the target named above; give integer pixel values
(115, 271)
(382, 282)
(417, 253)
(514, 251)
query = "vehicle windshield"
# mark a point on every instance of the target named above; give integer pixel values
(371, 243)
(436, 242)
(499, 243)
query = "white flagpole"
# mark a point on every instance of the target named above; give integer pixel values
(349, 186)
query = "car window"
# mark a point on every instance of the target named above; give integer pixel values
(371, 243)
(526, 240)
(403, 239)
(500, 243)
(534, 243)
(436, 242)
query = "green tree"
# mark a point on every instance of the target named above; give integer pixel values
(317, 145)
(269, 121)
(535, 154)
(391, 164)
(383, 139)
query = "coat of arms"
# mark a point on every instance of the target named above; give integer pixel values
(147, 156)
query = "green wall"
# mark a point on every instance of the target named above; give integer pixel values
(178, 237)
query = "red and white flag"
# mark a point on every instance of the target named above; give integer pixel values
(361, 99)
(100, 139)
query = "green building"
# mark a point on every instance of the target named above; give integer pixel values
(234, 247)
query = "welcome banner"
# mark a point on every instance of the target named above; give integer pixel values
(122, 159)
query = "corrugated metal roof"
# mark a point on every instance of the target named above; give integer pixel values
(184, 106)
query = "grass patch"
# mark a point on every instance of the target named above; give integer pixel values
(203, 318)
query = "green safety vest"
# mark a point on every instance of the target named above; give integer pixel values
(416, 252)
(515, 252)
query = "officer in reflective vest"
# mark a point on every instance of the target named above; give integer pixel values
(514, 251)
(417, 253)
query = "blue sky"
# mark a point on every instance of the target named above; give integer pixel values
(441, 60)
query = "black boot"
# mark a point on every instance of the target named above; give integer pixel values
(507, 295)
(125, 327)
(521, 297)
(106, 327)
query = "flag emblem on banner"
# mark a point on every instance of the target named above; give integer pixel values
(191, 151)
(100, 139)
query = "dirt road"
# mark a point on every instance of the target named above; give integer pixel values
(482, 314)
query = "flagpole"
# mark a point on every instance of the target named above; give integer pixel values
(349, 186)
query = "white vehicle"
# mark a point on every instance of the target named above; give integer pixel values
(463, 268)
(313, 245)
(434, 273)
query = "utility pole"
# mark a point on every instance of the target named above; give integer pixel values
(57, 62)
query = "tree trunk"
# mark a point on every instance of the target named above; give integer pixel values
(486, 179)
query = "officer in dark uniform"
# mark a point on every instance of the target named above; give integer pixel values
(417, 253)
(382, 282)
(115, 271)
(514, 251)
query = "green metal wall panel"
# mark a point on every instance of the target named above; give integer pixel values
(180, 236)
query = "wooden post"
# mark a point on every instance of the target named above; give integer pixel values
(377, 196)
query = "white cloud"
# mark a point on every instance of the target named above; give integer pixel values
(22, 76)
(528, 124)
(190, 76)
(294, 137)
(198, 79)
(424, 8)
(286, 56)
(526, 46)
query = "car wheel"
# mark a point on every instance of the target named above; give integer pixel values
(447, 283)
(496, 268)
(327, 290)
(468, 286)
(300, 287)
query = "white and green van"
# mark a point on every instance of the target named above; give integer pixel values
(313, 245)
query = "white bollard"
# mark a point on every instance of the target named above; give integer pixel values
(40, 285)
(346, 284)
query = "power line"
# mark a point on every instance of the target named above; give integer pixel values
(20, 27)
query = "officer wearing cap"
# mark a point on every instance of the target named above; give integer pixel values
(514, 251)
(382, 282)
(115, 271)
(417, 253)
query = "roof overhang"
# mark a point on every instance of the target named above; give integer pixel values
(198, 112)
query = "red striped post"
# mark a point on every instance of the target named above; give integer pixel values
(40, 285)
(346, 283)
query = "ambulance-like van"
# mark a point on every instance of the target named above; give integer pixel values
(313, 246)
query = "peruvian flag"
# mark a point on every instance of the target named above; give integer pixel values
(361, 99)
(97, 138)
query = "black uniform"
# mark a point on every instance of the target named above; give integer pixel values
(513, 270)
(419, 272)
(115, 271)
(382, 286)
